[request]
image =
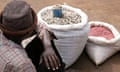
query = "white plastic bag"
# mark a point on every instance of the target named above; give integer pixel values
(25, 42)
(71, 37)
(98, 48)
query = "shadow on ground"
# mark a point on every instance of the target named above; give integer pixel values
(84, 64)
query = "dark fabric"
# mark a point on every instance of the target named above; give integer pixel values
(35, 49)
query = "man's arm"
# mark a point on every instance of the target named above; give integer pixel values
(49, 55)
(26, 67)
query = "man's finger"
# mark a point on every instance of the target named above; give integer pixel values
(51, 63)
(46, 62)
(41, 60)
(55, 62)
(58, 61)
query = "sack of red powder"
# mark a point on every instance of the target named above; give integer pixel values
(71, 29)
(103, 41)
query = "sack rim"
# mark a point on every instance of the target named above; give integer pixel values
(84, 19)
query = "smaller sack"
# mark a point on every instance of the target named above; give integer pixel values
(99, 48)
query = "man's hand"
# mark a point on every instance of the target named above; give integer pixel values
(50, 59)
(49, 56)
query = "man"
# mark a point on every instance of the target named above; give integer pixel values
(17, 22)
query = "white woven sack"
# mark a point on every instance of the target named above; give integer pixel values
(98, 48)
(71, 37)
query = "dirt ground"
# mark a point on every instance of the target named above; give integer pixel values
(100, 10)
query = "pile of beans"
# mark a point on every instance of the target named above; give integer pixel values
(68, 17)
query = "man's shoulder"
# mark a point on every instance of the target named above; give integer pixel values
(21, 61)
(16, 54)
(13, 53)
(16, 62)
(16, 58)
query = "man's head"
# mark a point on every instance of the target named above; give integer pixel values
(17, 18)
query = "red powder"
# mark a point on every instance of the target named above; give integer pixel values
(100, 31)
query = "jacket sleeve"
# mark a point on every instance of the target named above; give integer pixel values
(26, 67)
(22, 67)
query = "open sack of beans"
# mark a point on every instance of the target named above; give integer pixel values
(70, 26)
(103, 41)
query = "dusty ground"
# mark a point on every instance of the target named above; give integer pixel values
(102, 10)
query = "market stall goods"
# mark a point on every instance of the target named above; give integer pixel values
(103, 41)
(71, 30)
